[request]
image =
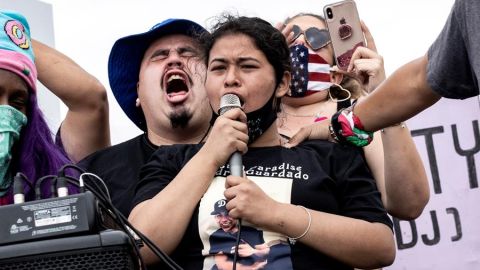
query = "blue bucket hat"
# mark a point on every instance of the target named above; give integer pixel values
(125, 59)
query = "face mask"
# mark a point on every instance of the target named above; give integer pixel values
(310, 72)
(260, 120)
(11, 123)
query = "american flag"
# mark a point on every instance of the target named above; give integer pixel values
(310, 72)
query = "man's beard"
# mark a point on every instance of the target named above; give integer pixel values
(180, 118)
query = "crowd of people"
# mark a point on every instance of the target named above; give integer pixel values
(309, 197)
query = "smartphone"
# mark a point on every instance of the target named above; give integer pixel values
(346, 33)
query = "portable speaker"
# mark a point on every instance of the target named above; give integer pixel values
(108, 250)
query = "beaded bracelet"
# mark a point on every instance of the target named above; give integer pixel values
(293, 240)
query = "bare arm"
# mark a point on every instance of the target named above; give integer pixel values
(392, 155)
(399, 172)
(190, 184)
(406, 181)
(85, 128)
(353, 241)
(409, 85)
(395, 164)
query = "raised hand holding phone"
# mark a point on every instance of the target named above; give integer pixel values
(367, 64)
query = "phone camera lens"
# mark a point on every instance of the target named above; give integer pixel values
(329, 13)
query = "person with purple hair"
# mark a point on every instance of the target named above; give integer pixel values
(26, 142)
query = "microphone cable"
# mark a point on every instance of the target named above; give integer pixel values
(237, 244)
(235, 163)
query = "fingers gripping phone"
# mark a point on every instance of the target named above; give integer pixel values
(346, 33)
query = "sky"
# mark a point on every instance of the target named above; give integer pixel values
(85, 30)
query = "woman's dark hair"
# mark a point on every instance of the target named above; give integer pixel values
(37, 153)
(265, 37)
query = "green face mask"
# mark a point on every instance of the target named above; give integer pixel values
(11, 123)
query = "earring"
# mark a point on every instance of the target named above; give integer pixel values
(341, 88)
(137, 102)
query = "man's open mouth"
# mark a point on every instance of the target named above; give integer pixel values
(176, 87)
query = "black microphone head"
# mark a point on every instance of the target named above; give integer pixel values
(228, 102)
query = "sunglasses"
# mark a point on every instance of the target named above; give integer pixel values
(316, 38)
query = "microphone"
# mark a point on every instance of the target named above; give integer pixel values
(228, 102)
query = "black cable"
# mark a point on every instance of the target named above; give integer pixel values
(25, 179)
(159, 253)
(102, 188)
(76, 183)
(97, 179)
(38, 185)
(59, 184)
(18, 188)
(123, 222)
(53, 191)
(237, 243)
(101, 193)
(61, 171)
(98, 193)
(39, 182)
(205, 135)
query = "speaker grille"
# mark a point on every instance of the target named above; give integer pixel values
(107, 258)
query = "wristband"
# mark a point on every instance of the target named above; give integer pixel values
(348, 128)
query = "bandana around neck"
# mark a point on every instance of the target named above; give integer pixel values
(310, 72)
(11, 123)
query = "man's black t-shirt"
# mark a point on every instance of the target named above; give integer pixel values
(319, 175)
(119, 167)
